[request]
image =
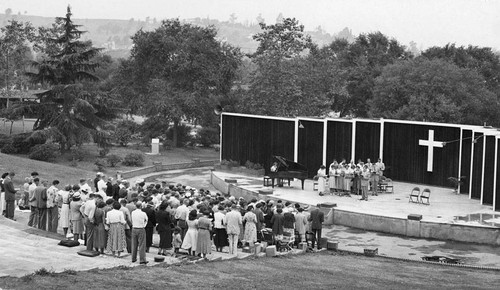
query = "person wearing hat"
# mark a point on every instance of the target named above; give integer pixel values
(76, 216)
(64, 201)
(85, 186)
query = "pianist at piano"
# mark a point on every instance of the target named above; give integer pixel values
(287, 170)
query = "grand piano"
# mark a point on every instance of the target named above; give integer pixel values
(288, 170)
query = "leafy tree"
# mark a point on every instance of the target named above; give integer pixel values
(481, 59)
(275, 84)
(15, 54)
(433, 90)
(363, 61)
(178, 72)
(72, 110)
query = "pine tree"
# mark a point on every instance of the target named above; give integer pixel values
(72, 109)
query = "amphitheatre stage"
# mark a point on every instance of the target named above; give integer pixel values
(449, 216)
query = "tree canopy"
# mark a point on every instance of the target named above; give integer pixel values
(433, 90)
(71, 110)
(179, 71)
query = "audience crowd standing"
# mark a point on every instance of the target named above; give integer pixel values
(114, 216)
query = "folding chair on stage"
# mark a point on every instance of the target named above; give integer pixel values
(415, 193)
(315, 183)
(389, 187)
(426, 194)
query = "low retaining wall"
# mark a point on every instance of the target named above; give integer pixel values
(158, 166)
(237, 192)
(418, 229)
(385, 224)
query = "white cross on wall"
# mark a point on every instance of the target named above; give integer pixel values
(430, 148)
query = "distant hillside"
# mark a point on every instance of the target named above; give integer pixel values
(114, 35)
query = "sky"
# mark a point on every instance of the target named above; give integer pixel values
(426, 22)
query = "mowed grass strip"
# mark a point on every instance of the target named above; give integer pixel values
(49, 171)
(325, 270)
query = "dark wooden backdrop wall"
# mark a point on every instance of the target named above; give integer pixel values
(477, 166)
(466, 160)
(408, 159)
(489, 170)
(310, 153)
(367, 141)
(338, 141)
(497, 193)
(256, 139)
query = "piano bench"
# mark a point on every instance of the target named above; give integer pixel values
(267, 181)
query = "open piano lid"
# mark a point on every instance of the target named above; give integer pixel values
(288, 165)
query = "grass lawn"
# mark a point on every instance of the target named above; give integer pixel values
(324, 270)
(17, 127)
(66, 173)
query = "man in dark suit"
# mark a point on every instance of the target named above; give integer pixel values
(41, 204)
(317, 218)
(10, 196)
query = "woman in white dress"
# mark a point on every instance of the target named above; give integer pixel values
(189, 242)
(321, 179)
(64, 205)
(331, 176)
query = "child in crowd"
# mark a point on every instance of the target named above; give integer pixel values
(177, 240)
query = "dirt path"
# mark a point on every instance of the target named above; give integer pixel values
(326, 270)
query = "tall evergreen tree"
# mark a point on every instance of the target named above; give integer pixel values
(72, 110)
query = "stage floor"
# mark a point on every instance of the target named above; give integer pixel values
(445, 206)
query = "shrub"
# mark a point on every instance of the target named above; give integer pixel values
(8, 149)
(122, 136)
(133, 159)
(249, 164)
(77, 154)
(4, 140)
(128, 125)
(73, 163)
(24, 142)
(153, 128)
(103, 152)
(184, 136)
(208, 136)
(100, 164)
(234, 163)
(113, 160)
(257, 166)
(168, 144)
(44, 152)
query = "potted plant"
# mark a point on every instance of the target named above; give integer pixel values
(456, 182)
